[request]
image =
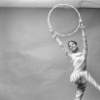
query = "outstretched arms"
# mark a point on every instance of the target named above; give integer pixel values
(85, 45)
(58, 40)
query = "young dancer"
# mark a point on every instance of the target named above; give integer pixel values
(80, 76)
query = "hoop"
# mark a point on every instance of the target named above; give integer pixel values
(48, 19)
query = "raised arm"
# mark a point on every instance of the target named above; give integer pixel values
(85, 45)
(59, 42)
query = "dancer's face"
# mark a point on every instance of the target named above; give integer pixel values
(73, 46)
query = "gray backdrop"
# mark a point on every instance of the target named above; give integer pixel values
(32, 66)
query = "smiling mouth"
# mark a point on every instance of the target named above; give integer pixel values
(73, 48)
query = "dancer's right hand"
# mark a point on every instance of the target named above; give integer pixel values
(53, 33)
(52, 30)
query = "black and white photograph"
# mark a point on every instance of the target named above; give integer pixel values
(49, 49)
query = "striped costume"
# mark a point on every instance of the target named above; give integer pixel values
(79, 60)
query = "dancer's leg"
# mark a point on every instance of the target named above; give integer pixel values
(90, 79)
(81, 86)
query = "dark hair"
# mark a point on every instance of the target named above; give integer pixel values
(72, 41)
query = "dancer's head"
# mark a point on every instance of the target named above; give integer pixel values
(73, 46)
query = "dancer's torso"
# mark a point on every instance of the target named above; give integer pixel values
(79, 61)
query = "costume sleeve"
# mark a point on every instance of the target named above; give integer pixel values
(62, 46)
(59, 41)
(85, 45)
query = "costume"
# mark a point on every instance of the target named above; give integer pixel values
(80, 76)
